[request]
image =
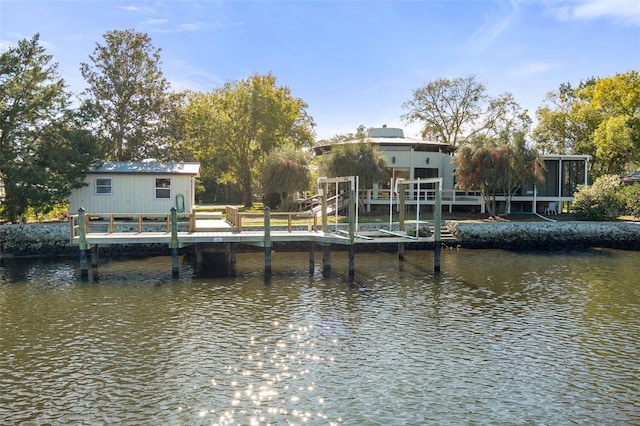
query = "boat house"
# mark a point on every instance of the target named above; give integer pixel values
(137, 187)
(412, 159)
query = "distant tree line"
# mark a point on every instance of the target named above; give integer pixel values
(253, 137)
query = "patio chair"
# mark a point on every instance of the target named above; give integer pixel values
(552, 208)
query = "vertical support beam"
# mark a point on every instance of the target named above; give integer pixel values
(94, 262)
(199, 249)
(324, 189)
(312, 257)
(232, 259)
(352, 221)
(175, 269)
(352, 261)
(402, 196)
(401, 203)
(437, 214)
(267, 243)
(94, 256)
(326, 260)
(82, 231)
(560, 182)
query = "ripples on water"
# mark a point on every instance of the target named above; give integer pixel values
(496, 338)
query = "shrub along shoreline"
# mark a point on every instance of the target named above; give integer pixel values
(52, 239)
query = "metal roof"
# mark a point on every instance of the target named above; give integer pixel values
(390, 137)
(147, 167)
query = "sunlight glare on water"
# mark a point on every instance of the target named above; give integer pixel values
(496, 338)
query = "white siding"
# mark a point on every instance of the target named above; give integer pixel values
(131, 193)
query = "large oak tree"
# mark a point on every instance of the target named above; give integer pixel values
(234, 128)
(455, 110)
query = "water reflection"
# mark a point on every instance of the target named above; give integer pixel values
(497, 337)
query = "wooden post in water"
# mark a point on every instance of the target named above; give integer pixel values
(82, 233)
(437, 214)
(401, 200)
(232, 259)
(267, 243)
(94, 262)
(312, 258)
(352, 219)
(94, 256)
(175, 269)
(326, 260)
(198, 249)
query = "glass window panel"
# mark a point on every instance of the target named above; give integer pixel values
(163, 188)
(103, 186)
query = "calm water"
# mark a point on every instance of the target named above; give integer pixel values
(497, 338)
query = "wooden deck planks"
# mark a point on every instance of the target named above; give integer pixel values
(247, 237)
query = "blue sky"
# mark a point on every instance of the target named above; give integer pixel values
(353, 62)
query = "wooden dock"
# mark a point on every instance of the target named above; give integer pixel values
(207, 229)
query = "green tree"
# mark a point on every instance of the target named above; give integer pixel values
(360, 134)
(600, 117)
(44, 149)
(361, 159)
(234, 128)
(617, 138)
(128, 96)
(286, 172)
(554, 133)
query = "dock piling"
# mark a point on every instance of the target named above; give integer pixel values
(437, 227)
(267, 242)
(82, 232)
(326, 260)
(312, 259)
(175, 269)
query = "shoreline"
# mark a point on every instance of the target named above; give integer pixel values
(51, 239)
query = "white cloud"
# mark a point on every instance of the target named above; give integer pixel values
(136, 9)
(189, 27)
(528, 68)
(622, 11)
(495, 24)
(155, 21)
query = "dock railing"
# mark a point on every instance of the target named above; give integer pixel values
(124, 222)
(239, 219)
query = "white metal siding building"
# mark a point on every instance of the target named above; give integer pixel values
(137, 187)
(412, 159)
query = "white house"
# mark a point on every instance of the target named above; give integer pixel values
(137, 187)
(411, 158)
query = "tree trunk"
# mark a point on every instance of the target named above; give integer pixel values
(247, 197)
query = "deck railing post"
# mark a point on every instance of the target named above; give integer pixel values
(82, 231)
(267, 242)
(175, 270)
